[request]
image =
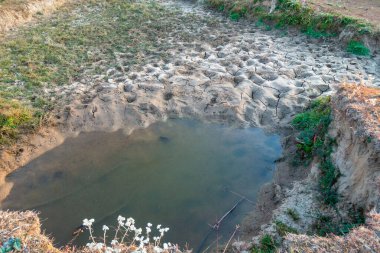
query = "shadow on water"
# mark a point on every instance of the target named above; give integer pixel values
(175, 173)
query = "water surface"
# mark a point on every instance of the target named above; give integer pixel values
(177, 173)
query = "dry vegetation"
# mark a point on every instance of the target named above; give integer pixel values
(365, 102)
(362, 239)
(26, 226)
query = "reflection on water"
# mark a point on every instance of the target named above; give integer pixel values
(176, 173)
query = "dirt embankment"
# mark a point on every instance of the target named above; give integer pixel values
(357, 132)
(299, 209)
(15, 13)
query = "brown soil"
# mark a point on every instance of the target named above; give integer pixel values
(363, 9)
(18, 12)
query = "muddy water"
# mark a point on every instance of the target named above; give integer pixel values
(177, 173)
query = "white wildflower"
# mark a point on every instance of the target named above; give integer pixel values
(114, 242)
(88, 222)
(130, 221)
(148, 230)
(149, 224)
(91, 245)
(121, 220)
(105, 228)
(157, 249)
(98, 246)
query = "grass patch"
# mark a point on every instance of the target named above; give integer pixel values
(358, 48)
(326, 224)
(283, 229)
(313, 141)
(267, 245)
(293, 214)
(293, 13)
(313, 125)
(15, 119)
(84, 38)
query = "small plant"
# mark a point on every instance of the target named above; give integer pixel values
(293, 214)
(14, 119)
(358, 48)
(326, 224)
(283, 229)
(313, 125)
(329, 176)
(128, 238)
(267, 245)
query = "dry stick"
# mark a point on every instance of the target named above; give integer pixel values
(233, 234)
(217, 224)
(208, 247)
(242, 196)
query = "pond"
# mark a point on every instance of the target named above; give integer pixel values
(179, 173)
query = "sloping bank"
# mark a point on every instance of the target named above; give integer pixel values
(335, 209)
(339, 201)
(356, 35)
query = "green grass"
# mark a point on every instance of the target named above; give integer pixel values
(16, 119)
(283, 229)
(292, 13)
(313, 141)
(293, 214)
(267, 245)
(67, 46)
(358, 48)
(326, 224)
(312, 125)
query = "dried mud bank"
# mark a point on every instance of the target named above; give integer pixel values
(229, 72)
(356, 130)
(13, 14)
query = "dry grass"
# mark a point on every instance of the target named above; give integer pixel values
(26, 226)
(362, 239)
(365, 103)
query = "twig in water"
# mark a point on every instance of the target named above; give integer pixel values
(233, 234)
(208, 247)
(217, 224)
(242, 196)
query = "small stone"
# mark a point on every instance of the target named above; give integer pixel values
(127, 87)
(132, 97)
(168, 95)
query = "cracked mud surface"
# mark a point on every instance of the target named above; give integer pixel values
(225, 71)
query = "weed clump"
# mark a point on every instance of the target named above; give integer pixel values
(15, 119)
(283, 229)
(358, 48)
(327, 224)
(293, 214)
(313, 125)
(267, 245)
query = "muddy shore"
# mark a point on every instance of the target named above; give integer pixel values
(228, 72)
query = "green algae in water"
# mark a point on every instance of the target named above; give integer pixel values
(176, 173)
